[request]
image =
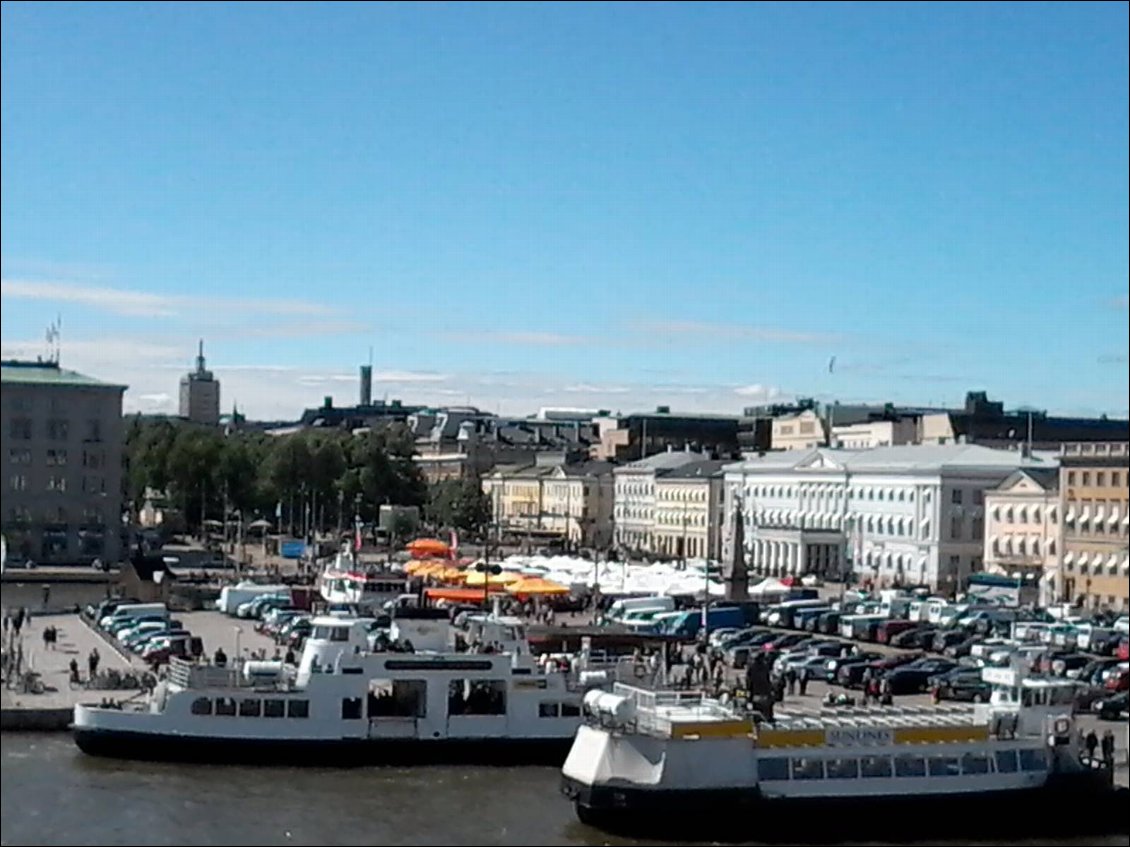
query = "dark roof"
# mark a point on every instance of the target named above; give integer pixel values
(1013, 427)
(592, 468)
(1046, 478)
(695, 470)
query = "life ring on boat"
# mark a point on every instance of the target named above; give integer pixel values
(640, 671)
(1062, 726)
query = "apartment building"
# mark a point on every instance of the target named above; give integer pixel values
(688, 511)
(1023, 530)
(572, 502)
(1093, 486)
(634, 507)
(904, 515)
(62, 442)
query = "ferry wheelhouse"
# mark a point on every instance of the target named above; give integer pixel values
(357, 698)
(671, 762)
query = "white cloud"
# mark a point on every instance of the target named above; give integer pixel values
(132, 303)
(589, 388)
(757, 391)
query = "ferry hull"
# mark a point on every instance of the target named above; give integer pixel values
(1071, 806)
(120, 744)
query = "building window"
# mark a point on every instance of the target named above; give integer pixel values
(19, 456)
(955, 526)
(57, 483)
(94, 484)
(955, 497)
(20, 429)
(978, 497)
(94, 430)
(18, 482)
(1086, 478)
(92, 459)
(58, 429)
(56, 457)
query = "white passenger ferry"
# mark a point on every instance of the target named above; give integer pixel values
(678, 764)
(412, 698)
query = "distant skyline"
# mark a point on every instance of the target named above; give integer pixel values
(599, 205)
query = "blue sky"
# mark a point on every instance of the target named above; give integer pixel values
(611, 206)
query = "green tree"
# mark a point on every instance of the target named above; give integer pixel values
(460, 504)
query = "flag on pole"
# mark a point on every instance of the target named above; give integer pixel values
(357, 537)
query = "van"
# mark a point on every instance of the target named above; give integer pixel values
(129, 611)
(657, 603)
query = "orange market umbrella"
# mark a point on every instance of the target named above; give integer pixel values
(536, 586)
(429, 547)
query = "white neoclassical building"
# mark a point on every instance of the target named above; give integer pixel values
(688, 507)
(1023, 531)
(910, 515)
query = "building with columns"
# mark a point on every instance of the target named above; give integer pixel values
(1094, 493)
(1023, 532)
(688, 511)
(903, 515)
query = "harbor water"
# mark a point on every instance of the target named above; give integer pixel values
(53, 794)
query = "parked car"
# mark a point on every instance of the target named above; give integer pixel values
(961, 683)
(1112, 708)
(912, 678)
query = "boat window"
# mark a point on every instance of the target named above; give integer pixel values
(202, 706)
(944, 766)
(225, 706)
(808, 768)
(842, 768)
(274, 708)
(570, 710)
(250, 708)
(776, 768)
(339, 633)
(1033, 760)
(549, 710)
(298, 708)
(910, 766)
(872, 767)
(1006, 761)
(1063, 695)
(974, 763)
(476, 697)
(401, 698)
(350, 708)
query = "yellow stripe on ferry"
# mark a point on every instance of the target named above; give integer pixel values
(790, 738)
(712, 729)
(941, 734)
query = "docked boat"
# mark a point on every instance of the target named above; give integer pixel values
(681, 765)
(344, 582)
(423, 691)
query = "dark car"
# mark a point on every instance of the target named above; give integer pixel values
(1111, 708)
(828, 623)
(947, 638)
(961, 683)
(961, 648)
(782, 642)
(851, 676)
(913, 677)
(832, 666)
(918, 638)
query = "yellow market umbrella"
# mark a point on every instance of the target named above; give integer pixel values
(535, 586)
(478, 578)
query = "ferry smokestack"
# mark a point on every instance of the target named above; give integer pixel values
(366, 385)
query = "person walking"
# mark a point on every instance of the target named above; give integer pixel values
(1108, 749)
(1091, 742)
(92, 661)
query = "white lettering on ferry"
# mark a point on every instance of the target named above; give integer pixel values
(858, 736)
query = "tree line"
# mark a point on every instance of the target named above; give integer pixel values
(312, 480)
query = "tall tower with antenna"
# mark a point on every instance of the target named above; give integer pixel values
(200, 393)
